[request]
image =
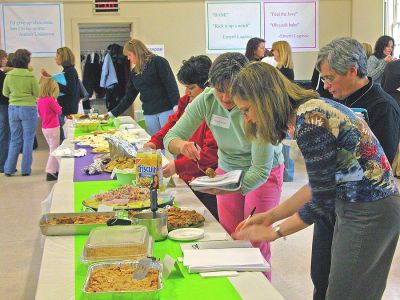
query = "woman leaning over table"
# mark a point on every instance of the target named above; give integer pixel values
(22, 89)
(348, 172)
(261, 162)
(152, 77)
(193, 74)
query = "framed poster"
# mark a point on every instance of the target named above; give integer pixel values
(292, 21)
(38, 27)
(229, 25)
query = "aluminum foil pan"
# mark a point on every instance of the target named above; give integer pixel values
(142, 295)
(120, 147)
(70, 229)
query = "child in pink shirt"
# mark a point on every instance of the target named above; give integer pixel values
(49, 110)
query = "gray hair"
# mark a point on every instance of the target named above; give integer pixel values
(225, 68)
(343, 53)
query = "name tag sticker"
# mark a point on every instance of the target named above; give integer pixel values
(220, 121)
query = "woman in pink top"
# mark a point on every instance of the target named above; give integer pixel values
(49, 110)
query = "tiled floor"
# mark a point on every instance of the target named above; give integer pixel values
(21, 251)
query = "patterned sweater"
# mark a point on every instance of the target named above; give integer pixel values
(344, 159)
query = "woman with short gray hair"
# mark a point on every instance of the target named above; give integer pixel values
(343, 53)
(261, 162)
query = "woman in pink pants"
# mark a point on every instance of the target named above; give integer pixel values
(262, 163)
(49, 110)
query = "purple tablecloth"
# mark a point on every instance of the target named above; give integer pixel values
(81, 162)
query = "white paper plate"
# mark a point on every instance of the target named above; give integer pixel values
(186, 234)
(209, 179)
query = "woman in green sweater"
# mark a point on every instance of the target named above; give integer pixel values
(261, 162)
(22, 89)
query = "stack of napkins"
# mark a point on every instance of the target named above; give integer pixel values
(230, 181)
(212, 256)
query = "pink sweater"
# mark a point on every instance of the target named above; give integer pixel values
(49, 110)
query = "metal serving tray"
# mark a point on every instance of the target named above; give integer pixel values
(137, 295)
(70, 229)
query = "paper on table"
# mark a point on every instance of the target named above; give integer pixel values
(223, 257)
(219, 274)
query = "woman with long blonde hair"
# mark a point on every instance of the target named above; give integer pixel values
(348, 173)
(152, 77)
(283, 56)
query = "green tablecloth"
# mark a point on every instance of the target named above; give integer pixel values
(190, 286)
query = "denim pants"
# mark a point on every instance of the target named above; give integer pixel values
(321, 254)
(155, 122)
(288, 174)
(22, 120)
(61, 119)
(4, 135)
(364, 241)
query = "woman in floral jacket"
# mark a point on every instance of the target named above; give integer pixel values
(348, 173)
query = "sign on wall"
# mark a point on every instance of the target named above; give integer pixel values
(157, 49)
(229, 25)
(38, 27)
(294, 22)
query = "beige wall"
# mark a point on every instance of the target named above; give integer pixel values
(180, 24)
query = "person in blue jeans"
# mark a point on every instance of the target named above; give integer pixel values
(22, 89)
(152, 77)
(4, 127)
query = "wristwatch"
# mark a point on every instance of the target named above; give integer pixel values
(277, 229)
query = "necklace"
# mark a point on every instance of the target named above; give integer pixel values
(351, 105)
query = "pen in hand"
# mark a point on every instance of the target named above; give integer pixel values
(250, 215)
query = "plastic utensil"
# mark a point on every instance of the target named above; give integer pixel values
(142, 268)
(198, 167)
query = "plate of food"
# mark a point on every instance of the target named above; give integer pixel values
(120, 163)
(211, 179)
(127, 197)
(181, 218)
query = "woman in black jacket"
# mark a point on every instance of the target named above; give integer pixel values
(152, 77)
(70, 92)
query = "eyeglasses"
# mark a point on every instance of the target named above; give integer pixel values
(328, 81)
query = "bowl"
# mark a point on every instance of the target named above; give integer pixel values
(124, 178)
(156, 224)
(88, 126)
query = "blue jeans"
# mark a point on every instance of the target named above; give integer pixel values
(61, 119)
(4, 135)
(321, 254)
(155, 122)
(288, 174)
(22, 120)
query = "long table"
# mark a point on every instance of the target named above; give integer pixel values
(60, 275)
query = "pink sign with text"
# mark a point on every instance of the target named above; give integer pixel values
(294, 22)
